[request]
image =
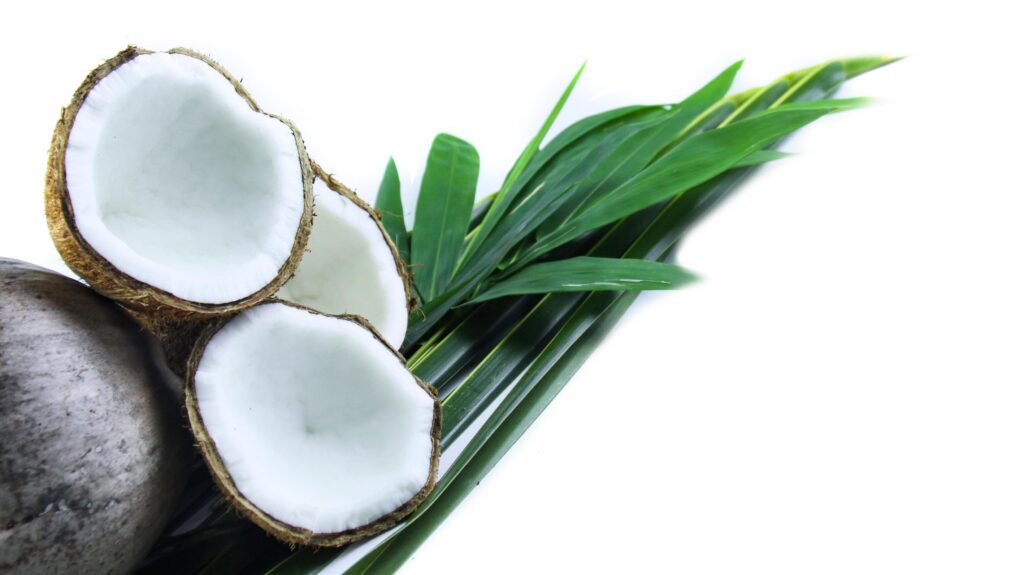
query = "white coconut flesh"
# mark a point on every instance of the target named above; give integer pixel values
(349, 267)
(177, 182)
(317, 422)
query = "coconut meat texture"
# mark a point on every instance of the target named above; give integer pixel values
(349, 267)
(317, 423)
(178, 182)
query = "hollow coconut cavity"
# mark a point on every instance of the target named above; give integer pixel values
(350, 265)
(169, 188)
(311, 424)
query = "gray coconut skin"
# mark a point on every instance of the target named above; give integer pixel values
(93, 452)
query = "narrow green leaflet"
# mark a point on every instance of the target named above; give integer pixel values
(760, 99)
(443, 211)
(589, 274)
(473, 338)
(520, 346)
(392, 215)
(634, 152)
(506, 195)
(613, 159)
(692, 162)
(857, 66)
(816, 84)
(557, 167)
(573, 164)
(480, 209)
(502, 365)
(827, 106)
(550, 187)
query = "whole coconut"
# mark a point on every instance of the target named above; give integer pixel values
(93, 454)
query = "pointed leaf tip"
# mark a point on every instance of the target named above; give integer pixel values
(854, 67)
(827, 106)
(392, 213)
(588, 273)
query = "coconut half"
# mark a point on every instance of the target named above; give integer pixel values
(351, 265)
(312, 425)
(169, 188)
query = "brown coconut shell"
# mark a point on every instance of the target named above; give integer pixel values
(403, 269)
(279, 529)
(156, 308)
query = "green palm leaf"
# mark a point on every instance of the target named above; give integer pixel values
(509, 190)
(512, 418)
(633, 153)
(582, 274)
(392, 215)
(443, 212)
(692, 162)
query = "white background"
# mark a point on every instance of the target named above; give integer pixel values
(842, 393)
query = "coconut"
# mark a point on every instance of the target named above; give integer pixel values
(169, 190)
(351, 266)
(94, 454)
(311, 424)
